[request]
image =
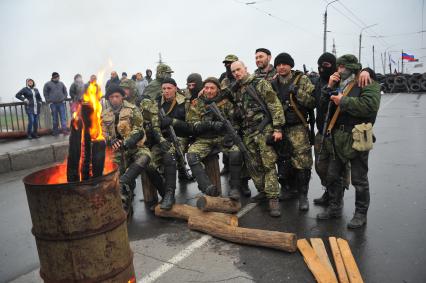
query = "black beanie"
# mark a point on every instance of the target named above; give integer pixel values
(264, 50)
(113, 89)
(283, 58)
(194, 78)
(169, 81)
(327, 57)
(55, 74)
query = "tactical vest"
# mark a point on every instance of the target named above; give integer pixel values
(348, 120)
(252, 112)
(172, 110)
(283, 92)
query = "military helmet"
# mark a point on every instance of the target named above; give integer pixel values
(230, 58)
(350, 62)
(163, 68)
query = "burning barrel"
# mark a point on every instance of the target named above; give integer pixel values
(80, 228)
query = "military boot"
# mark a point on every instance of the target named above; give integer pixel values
(204, 183)
(357, 221)
(274, 207)
(245, 190)
(131, 173)
(170, 181)
(287, 193)
(127, 195)
(303, 177)
(330, 213)
(184, 175)
(323, 200)
(235, 164)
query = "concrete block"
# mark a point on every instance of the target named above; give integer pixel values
(5, 163)
(29, 158)
(60, 151)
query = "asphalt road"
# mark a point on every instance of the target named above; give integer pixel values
(389, 249)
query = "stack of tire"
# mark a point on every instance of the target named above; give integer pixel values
(402, 82)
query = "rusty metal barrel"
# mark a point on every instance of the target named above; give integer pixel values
(80, 228)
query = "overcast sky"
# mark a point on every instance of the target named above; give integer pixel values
(80, 36)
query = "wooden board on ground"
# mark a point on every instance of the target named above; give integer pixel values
(319, 248)
(218, 204)
(256, 237)
(184, 211)
(211, 164)
(318, 269)
(148, 189)
(338, 261)
(349, 261)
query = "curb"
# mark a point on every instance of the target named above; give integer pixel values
(33, 156)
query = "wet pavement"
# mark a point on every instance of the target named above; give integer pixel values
(389, 249)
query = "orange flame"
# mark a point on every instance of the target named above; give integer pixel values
(92, 96)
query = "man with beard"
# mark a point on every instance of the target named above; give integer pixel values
(226, 80)
(294, 91)
(264, 70)
(260, 116)
(153, 89)
(210, 137)
(350, 136)
(327, 67)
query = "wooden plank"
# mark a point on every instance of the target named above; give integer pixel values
(319, 248)
(349, 261)
(338, 261)
(318, 269)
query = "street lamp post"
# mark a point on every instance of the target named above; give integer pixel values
(325, 26)
(360, 39)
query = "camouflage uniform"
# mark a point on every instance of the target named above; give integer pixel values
(125, 125)
(269, 75)
(295, 155)
(133, 90)
(359, 106)
(153, 89)
(249, 114)
(209, 142)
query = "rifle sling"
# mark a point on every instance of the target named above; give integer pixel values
(294, 105)
(348, 89)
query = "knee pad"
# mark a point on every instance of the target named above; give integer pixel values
(193, 158)
(169, 159)
(143, 161)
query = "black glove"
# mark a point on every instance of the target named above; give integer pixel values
(202, 127)
(166, 121)
(133, 140)
(228, 141)
(183, 128)
(293, 89)
(270, 140)
(217, 126)
(165, 146)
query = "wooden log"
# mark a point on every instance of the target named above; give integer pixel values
(149, 191)
(349, 261)
(218, 204)
(98, 158)
(74, 151)
(184, 212)
(86, 112)
(318, 269)
(338, 261)
(319, 248)
(255, 237)
(211, 163)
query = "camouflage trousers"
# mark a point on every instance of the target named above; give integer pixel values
(123, 159)
(264, 158)
(206, 146)
(322, 161)
(299, 147)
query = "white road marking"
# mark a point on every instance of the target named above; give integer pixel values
(157, 273)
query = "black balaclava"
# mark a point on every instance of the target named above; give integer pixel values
(324, 72)
(195, 78)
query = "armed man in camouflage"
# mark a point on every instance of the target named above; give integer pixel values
(131, 90)
(350, 137)
(122, 128)
(264, 70)
(153, 89)
(211, 138)
(260, 114)
(294, 91)
(173, 104)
